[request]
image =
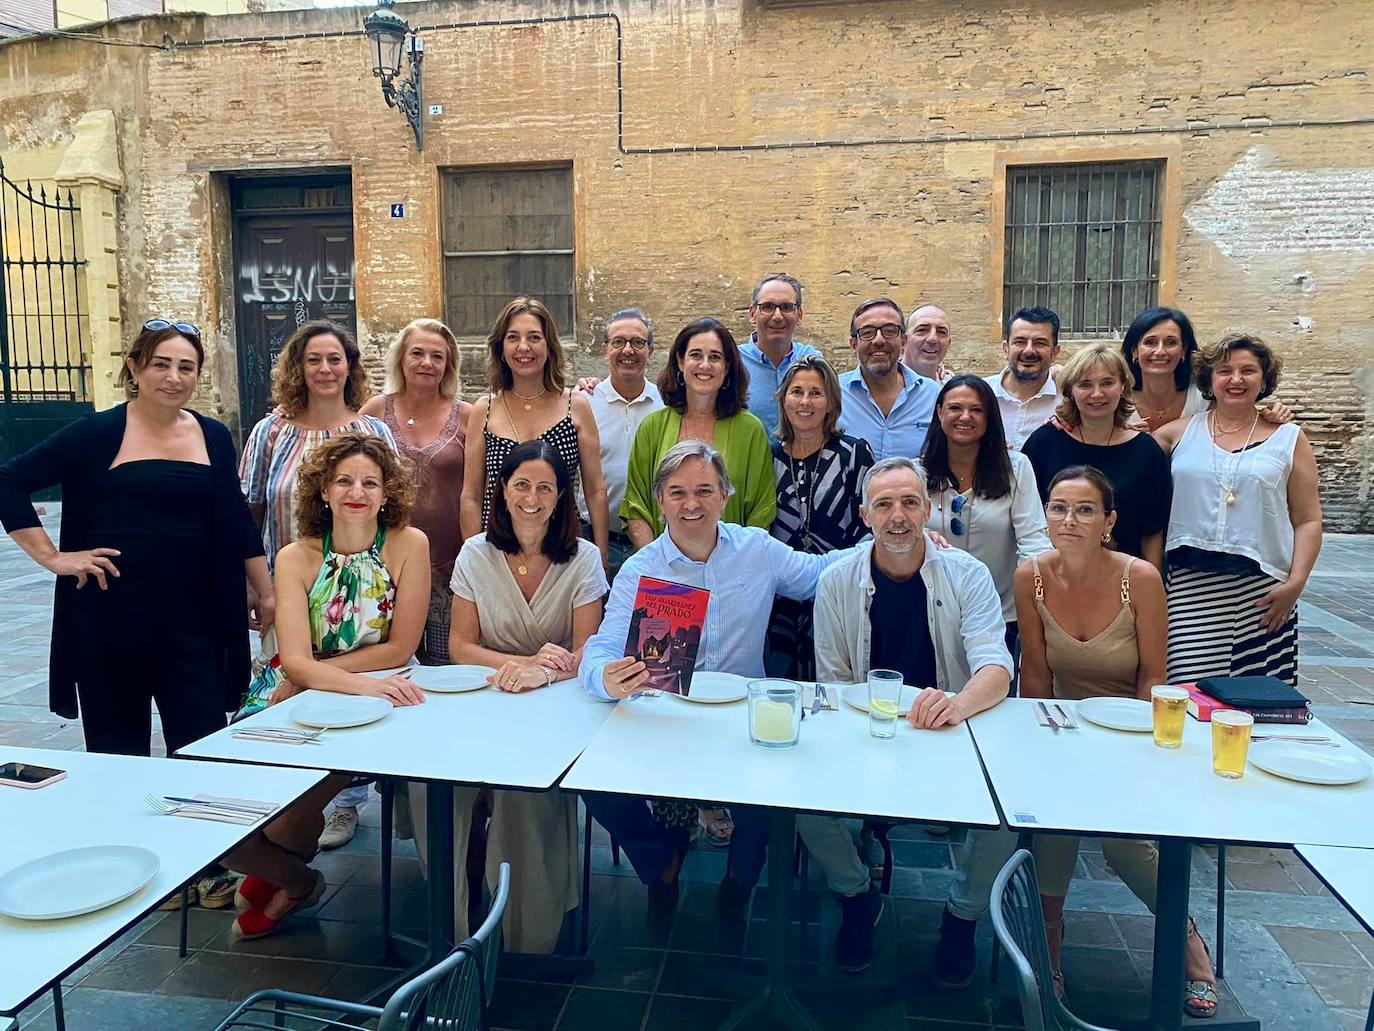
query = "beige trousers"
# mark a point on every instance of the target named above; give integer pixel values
(1135, 862)
(536, 832)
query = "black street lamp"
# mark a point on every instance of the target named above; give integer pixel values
(389, 37)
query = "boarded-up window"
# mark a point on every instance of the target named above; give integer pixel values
(507, 233)
(1084, 240)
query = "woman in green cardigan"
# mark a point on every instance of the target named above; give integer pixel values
(705, 388)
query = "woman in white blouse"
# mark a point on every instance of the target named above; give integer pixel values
(526, 596)
(983, 497)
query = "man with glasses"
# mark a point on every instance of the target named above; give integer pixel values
(619, 404)
(883, 401)
(897, 602)
(776, 312)
(1025, 388)
(927, 342)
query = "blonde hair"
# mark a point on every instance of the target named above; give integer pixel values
(1079, 365)
(395, 354)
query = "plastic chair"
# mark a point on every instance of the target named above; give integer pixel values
(1019, 925)
(452, 995)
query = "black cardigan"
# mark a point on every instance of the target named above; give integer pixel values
(77, 456)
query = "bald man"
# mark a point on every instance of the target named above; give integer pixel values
(927, 343)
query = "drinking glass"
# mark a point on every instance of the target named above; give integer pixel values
(774, 713)
(1230, 742)
(884, 702)
(1170, 710)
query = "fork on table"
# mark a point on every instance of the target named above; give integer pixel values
(226, 811)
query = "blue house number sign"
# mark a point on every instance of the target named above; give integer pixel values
(398, 211)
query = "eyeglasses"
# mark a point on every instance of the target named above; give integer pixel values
(769, 307)
(889, 330)
(1058, 511)
(180, 327)
(957, 525)
(635, 343)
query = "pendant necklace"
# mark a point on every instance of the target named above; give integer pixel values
(528, 400)
(1226, 479)
(800, 480)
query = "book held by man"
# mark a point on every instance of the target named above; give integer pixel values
(665, 632)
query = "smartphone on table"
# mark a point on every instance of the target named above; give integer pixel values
(27, 775)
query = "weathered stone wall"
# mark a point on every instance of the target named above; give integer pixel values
(1268, 225)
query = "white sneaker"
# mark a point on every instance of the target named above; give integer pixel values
(339, 828)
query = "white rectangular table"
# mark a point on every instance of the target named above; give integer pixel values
(668, 748)
(1349, 873)
(100, 802)
(487, 737)
(1096, 781)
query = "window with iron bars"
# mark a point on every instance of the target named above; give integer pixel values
(1083, 239)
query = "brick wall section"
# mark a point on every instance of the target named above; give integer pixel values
(685, 234)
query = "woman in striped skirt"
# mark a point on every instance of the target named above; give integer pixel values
(1245, 526)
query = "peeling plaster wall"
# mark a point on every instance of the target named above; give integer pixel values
(1270, 226)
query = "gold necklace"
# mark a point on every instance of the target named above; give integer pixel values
(531, 398)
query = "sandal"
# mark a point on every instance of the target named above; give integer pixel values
(1199, 997)
(1056, 928)
(254, 923)
(718, 826)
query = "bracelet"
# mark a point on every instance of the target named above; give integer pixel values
(548, 677)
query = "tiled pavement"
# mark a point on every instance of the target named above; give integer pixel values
(1295, 958)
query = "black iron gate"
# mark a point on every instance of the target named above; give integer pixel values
(45, 372)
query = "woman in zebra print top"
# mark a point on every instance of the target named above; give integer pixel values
(820, 472)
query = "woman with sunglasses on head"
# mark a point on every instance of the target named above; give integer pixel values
(1093, 623)
(820, 475)
(318, 385)
(983, 498)
(156, 548)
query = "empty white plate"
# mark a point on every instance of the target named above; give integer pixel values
(1129, 714)
(715, 688)
(343, 710)
(1311, 764)
(451, 679)
(857, 696)
(79, 880)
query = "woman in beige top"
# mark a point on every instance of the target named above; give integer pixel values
(526, 596)
(1093, 622)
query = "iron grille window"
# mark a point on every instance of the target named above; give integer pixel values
(1084, 240)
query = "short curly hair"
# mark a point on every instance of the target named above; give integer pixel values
(289, 388)
(314, 518)
(1210, 357)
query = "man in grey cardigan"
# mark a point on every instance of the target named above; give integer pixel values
(934, 615)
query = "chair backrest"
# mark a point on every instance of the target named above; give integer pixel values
(1019, 924)
(453, 995)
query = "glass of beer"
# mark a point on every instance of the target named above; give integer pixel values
(1170, 710)
(1230, 742)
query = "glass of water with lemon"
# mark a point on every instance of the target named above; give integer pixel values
(884, 702)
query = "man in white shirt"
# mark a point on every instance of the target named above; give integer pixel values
(1025, 388)
(619, 404)
(897, 602)
(743, 567)
(928, 340)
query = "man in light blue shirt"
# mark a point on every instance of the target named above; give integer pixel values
(743, 568)
(775, 309)
(881, 400)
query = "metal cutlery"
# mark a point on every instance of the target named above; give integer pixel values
(1296, 739)
(1066, 718)
(203, 808)
(284, 734)
(1045, 711)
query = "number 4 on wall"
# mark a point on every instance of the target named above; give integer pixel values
(398, 211)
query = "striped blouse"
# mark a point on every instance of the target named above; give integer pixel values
(267, 472)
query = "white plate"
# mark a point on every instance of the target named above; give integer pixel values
(1129, 714)
(344, 710)
(715, 688)
(857, 696)
(79, 880)
(451, 679)
(1311, 764)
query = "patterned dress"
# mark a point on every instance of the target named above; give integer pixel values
(561, 436)
(818, 512)
(350, 606)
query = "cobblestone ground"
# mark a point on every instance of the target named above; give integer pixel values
(1294, 957)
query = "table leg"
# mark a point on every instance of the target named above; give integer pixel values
(1369, 1021)
(439, 854)
(59, 1018)
(776, 1004)
(1171, 934)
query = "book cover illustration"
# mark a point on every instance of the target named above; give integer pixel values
(665, 632)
